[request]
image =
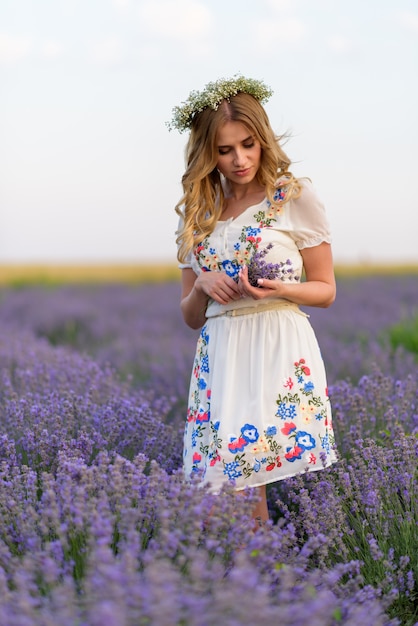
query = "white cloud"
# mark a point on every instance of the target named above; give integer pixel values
(109, 51)
(409, 20)
(288, 30)
(176, 19)
(51, 49)
(279, 5)
(13, 49)
(339, 43)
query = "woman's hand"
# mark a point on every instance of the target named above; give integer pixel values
(197, 290)
(317, 290)
(218, 286)
(266, 288)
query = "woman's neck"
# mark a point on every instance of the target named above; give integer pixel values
(238, 193)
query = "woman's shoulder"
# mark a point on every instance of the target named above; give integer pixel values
(295, 185)
(306, 216)
(303, 192)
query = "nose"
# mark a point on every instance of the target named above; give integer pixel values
(239, 157)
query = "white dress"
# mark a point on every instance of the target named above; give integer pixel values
(258, 408)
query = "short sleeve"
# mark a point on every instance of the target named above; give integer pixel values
(309, 223)
(188, 262)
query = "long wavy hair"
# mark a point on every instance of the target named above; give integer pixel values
(202, 202)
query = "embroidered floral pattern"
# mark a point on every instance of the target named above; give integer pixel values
(286, 440)
(198, 412)
(250, 238)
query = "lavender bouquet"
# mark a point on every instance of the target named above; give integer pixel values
(258, 268)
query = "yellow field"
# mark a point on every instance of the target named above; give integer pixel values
(89, 273)
(371, 269)
(48, 274)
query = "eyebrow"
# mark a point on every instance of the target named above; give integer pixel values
(243, 141)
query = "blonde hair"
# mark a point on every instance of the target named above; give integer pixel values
(202, 202)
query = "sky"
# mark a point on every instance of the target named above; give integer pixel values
(89, 172)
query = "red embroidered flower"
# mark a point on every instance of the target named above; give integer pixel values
(294, 453)
(288, 428)
(215, 460)
(237, 445)
(197, 457)
(191, 415)
(270, 467)
(204, 416)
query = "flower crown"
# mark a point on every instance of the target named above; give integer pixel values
(212, 95)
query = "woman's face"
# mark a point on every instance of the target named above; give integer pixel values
(239, 153)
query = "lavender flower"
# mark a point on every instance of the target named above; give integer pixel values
(258, 268)
(97, 525)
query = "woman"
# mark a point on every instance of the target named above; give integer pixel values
(258, 406)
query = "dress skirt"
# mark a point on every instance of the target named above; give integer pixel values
(258, 408)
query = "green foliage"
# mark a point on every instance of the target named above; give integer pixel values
(405, 334)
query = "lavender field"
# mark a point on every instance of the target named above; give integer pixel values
(97, 527)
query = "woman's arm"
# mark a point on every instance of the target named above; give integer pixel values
(319, 289)
(197, 290)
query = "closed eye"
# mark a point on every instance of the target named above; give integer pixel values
(246, 144)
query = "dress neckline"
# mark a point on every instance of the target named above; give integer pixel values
(233, 219)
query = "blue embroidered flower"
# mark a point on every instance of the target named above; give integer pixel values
(204, 364)
(279, 194)
(212, 250)
(249, 433)
(231, 267)
(204, 335)
(271, 431)
(231, 470)
(326, 443)
(308, 386)
(216, 425)
(236, 246)
(305, 440)
(252, 232)
(286, 411)
(194, 438)
(202, 384)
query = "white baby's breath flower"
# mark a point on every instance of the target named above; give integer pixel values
(212, 95)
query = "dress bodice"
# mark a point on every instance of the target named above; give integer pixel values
(284, 230)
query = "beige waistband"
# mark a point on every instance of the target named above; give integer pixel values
(260, 308)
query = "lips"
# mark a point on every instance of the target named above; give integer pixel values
(242, 172)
